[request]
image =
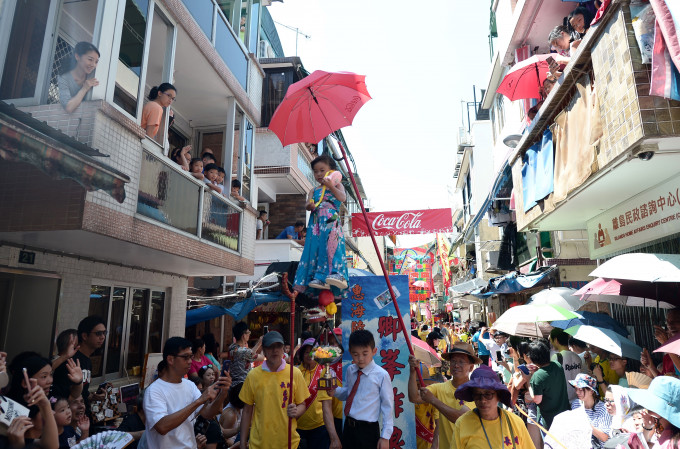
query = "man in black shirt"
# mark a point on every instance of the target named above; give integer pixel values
(91, 335)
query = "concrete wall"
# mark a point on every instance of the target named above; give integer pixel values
(285, 212)
(77, 276)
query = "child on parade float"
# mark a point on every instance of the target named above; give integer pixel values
(322, 265)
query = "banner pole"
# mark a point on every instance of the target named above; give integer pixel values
(407, 335)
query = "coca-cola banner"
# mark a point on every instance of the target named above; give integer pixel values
(429, 221)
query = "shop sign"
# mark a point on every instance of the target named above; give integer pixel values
(429, 221)
(369, 306)
(650, 215)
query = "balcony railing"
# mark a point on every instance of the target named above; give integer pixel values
(170, 196)
(225, 41)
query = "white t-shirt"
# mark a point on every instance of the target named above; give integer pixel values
(162, 399)
(572, 365)
(260, 225)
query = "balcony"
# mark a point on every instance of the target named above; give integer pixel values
(632, 122)
(176, 199)
(165, 221)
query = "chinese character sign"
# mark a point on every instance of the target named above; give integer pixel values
(650, 215)
(369, 306)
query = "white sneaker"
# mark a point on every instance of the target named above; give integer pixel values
(336, 280)
(315, 283)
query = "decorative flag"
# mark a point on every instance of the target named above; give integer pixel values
(443, 248)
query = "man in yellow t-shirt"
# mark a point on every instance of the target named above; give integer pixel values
(316, 425)
(265, 393)
(441, 395)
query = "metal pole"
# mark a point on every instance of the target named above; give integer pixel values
(407, 336)
(292, 296)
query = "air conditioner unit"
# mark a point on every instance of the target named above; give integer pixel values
(491, 262)
(208, 282)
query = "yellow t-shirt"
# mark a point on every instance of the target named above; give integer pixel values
(268, 392)
(313, 416)
(338, 405)
(608, 374)
(427, 414)
(470, 435)
(423, 334)
(445, 392)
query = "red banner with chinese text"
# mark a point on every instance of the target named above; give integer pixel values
(428, 221)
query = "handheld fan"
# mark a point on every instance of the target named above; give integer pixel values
(111, 439)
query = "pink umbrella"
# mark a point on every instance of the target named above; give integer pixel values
(628, 293)
(425, 353)
(318, 105)
(525, 79)
(672, 345)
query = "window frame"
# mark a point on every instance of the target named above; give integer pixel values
(129, 288)
(7, 13)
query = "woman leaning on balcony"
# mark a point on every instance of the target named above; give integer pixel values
(75, 83)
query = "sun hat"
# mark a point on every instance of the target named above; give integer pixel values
(485, 378)
(584, 381)
(662, 397)
(462, 348)
(308, 342)
(271, 338)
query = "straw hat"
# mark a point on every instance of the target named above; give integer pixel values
(462, 348)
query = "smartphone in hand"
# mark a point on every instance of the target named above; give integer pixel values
(226, 364)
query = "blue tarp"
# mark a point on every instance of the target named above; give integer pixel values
(238, 310)
(513, 283)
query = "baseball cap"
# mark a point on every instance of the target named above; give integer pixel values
(270, 338)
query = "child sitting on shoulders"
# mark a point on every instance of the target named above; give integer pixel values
(210, 172)
(322, 265)
(196, 168)
(367, 393)
(68, 436)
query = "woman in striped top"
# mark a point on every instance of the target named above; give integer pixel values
(588, 398)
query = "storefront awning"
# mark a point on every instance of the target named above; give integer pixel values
(513, 282)
(467, 286)
(25, 139)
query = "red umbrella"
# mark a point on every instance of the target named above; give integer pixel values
(524, 80)
(318, 105)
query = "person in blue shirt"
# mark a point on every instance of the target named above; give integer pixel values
(367, 393)
(293, 233)
(482, 352)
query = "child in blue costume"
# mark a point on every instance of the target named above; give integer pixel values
(322, 265)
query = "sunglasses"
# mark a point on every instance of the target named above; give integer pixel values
(186, 357)
(487, 395)
(100, 333)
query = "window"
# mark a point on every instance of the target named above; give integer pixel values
(247, 168)
(131, 56)
(28, 46)
(135, 320)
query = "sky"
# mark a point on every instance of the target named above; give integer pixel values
(421, 59)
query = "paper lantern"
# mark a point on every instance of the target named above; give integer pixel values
(326, 297)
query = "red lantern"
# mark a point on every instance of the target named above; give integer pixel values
(326, 297)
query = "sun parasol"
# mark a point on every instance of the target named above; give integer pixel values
(593, 319)
(525, 79)
(557, 296)
(425, 353)
(672, 345)
(531, 320)
(627, 293)
(318, 105)
(606, 339)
